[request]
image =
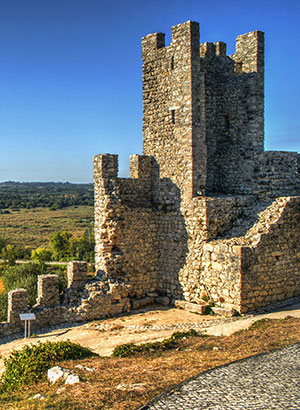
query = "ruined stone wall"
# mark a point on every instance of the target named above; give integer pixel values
(270, 267)
(183, 259)
(261, 267)
(125, 223)
(219, 248)
(86, 298)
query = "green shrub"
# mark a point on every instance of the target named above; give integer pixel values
(8, 254)
(30, 364)
(65, 247)
(129, 349)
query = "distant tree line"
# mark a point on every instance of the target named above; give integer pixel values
(63, 247)
(55, 195)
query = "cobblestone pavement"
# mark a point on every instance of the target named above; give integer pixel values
(265, 382)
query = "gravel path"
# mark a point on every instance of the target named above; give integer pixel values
(264, 382)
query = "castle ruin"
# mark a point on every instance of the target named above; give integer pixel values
(206, 212)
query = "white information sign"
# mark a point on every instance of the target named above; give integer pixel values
(27, 317)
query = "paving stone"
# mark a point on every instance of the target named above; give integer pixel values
(264, 382)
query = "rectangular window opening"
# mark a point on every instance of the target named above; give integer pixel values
(226, 122)
(239, 68)
(173, 116)
(172, 63)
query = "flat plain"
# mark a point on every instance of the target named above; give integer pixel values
(33, 227)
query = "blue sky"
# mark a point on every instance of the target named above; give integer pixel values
(70, 76)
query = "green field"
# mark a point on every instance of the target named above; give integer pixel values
(33, 227)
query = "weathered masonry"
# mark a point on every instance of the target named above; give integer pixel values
(206, 212)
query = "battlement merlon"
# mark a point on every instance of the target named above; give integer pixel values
(141, 166)
(249, 52)
(105, 166)
(134, 191)
(153, 42)
(186, 34)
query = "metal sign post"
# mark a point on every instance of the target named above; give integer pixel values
(27, 317)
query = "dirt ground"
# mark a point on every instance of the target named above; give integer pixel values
(154, 323)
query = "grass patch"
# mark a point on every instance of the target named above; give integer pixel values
(130, 349)
(260, 324)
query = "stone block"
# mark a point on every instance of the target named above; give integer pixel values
(223, 312)
(139, 303)
(163, 300)
(192, 307)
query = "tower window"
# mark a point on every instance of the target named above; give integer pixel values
(226, 122)
(173, 116)
(239, 68)
(172, 63)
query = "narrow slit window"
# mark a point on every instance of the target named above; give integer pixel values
(173, 116)
(226, 122)
(172, 63)
(239, 68)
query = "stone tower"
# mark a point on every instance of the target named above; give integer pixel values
(204, 110)
(205, 211)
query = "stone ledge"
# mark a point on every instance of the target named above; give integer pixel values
(192, 307)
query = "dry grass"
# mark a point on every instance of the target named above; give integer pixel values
(33, 227)
(155, 372)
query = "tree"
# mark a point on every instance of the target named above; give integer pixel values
(60, 244)
(41, 255)
(9, 254)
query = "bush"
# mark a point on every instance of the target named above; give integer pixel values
(8, 254)
(65, 247)
(30, 364)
